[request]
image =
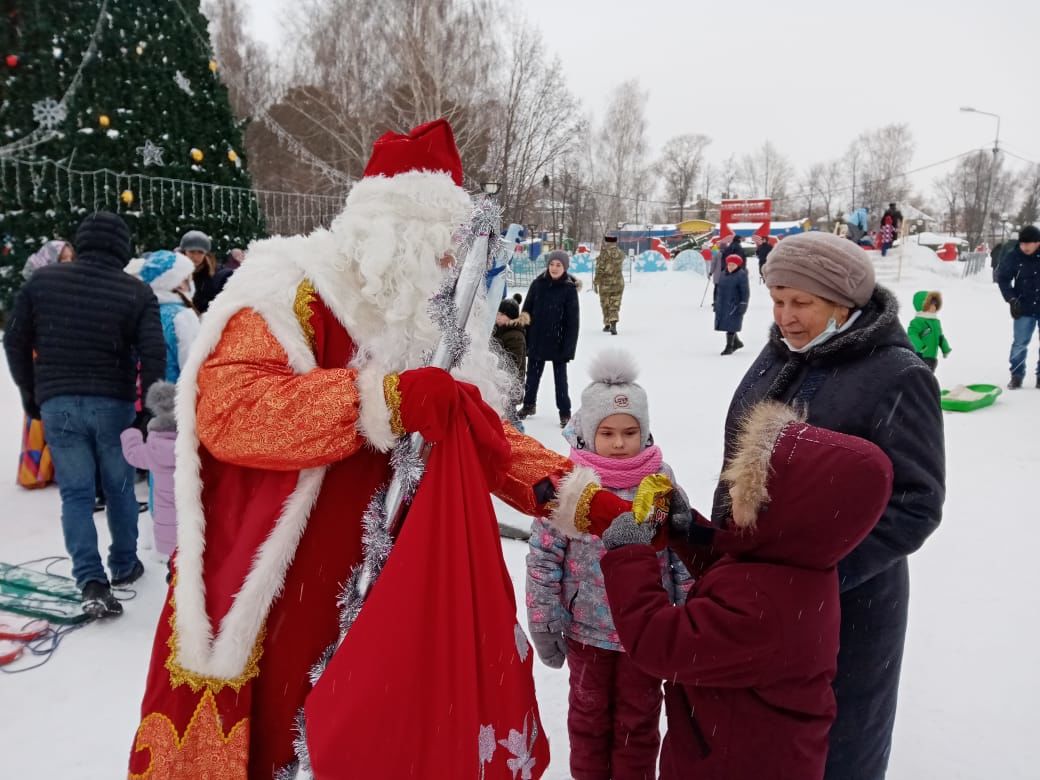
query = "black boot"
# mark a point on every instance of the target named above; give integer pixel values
(1015, 383)
(565, 418)
(98, 601)
(737, 343)
(606, 328)
(527, 410)
(730, 348)
(613, 329)
(128, 579)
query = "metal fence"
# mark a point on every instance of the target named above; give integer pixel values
(974, 263)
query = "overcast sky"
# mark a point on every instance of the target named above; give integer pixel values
(807, 75)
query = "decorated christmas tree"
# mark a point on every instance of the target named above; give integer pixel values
(117, 105)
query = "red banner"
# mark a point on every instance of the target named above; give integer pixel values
(759, 212)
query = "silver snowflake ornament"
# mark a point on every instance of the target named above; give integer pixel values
(150, 153)
(49, 113)
(183, 83)
(522, 763)
(486, 744)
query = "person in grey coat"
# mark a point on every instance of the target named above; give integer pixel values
(838, 351)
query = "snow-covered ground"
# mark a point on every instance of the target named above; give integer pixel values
(970, 684)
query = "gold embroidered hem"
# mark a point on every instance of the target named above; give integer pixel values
(181, 676)
(581, 512)
(203, 751)
(305, 295)
(392, 395)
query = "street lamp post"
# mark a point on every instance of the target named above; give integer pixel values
(996, 141)
(993, 169)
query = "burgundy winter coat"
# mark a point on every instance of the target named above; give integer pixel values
(748, 661)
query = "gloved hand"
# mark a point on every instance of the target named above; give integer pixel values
(1016, 309)
(31, 408)
(680, 516)
(422, 400)
(625, 530)
(551, 646)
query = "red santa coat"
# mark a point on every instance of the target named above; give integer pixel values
(280, 447)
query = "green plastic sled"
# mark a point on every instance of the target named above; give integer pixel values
(968, 398)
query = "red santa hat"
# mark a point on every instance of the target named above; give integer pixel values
(429, 147)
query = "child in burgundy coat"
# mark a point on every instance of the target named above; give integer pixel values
(157, 456)
(748, 661)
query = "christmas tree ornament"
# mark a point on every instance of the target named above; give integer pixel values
(127, 197)
(182, 81)
(49, 113)
(213, 66)
(11, 60)
(140, 50)
(232, 155)
(196, 155)
(151, 154)
(104, 121)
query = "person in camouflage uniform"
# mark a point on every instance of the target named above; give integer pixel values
(609, 282)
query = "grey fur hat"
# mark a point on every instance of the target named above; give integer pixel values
(160, 402)
(613, 391)
(195, 240)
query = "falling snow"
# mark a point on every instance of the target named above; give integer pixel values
(969, 665)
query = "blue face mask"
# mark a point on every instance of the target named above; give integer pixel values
(829, 332)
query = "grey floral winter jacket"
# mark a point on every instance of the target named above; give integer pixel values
(565, 588)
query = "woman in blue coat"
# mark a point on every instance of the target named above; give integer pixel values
(733, 293)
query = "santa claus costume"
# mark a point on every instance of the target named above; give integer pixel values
(304, 375)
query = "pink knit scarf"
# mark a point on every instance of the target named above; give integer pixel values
(620, 473)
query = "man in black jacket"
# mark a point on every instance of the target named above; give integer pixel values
(1019, 278)
(89, 324)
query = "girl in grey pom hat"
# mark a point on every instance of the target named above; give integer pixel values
(839, 352)
(567, 608)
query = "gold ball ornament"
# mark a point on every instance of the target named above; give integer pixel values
(232, 155)
(127, 197)
(213, 66)
(104, 121)
(197, 155)
(140, 50)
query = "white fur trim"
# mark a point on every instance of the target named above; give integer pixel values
(567, 497)
(225, 655)
(374, 420)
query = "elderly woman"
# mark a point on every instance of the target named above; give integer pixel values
(838, 351)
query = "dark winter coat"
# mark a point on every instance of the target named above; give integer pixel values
(997, 253)
(731, 300)
(763, 251)
(869, 383)
(206, 287)
(734, 248)
(89, 323)
(1019, 278)
(513, 341)
(552, 305)
(749, 660)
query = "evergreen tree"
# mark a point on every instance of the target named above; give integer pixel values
(117, 105)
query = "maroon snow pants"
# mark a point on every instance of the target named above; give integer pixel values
(614, 716)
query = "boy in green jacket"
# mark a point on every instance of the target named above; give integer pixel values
(925, 330)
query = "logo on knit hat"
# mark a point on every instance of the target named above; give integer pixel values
(621, 401)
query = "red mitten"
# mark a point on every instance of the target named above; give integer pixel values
(422, 400)
(602, 510)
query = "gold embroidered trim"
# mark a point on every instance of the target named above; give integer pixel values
(181, 676)
(203, 750)
(581, 512)
(392, 395)
(305, 296)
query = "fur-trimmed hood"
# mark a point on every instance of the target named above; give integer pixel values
(925, 298)
(803, 495)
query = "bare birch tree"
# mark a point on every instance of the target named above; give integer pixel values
(766, 173)
(679, 167)
(622, 148)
